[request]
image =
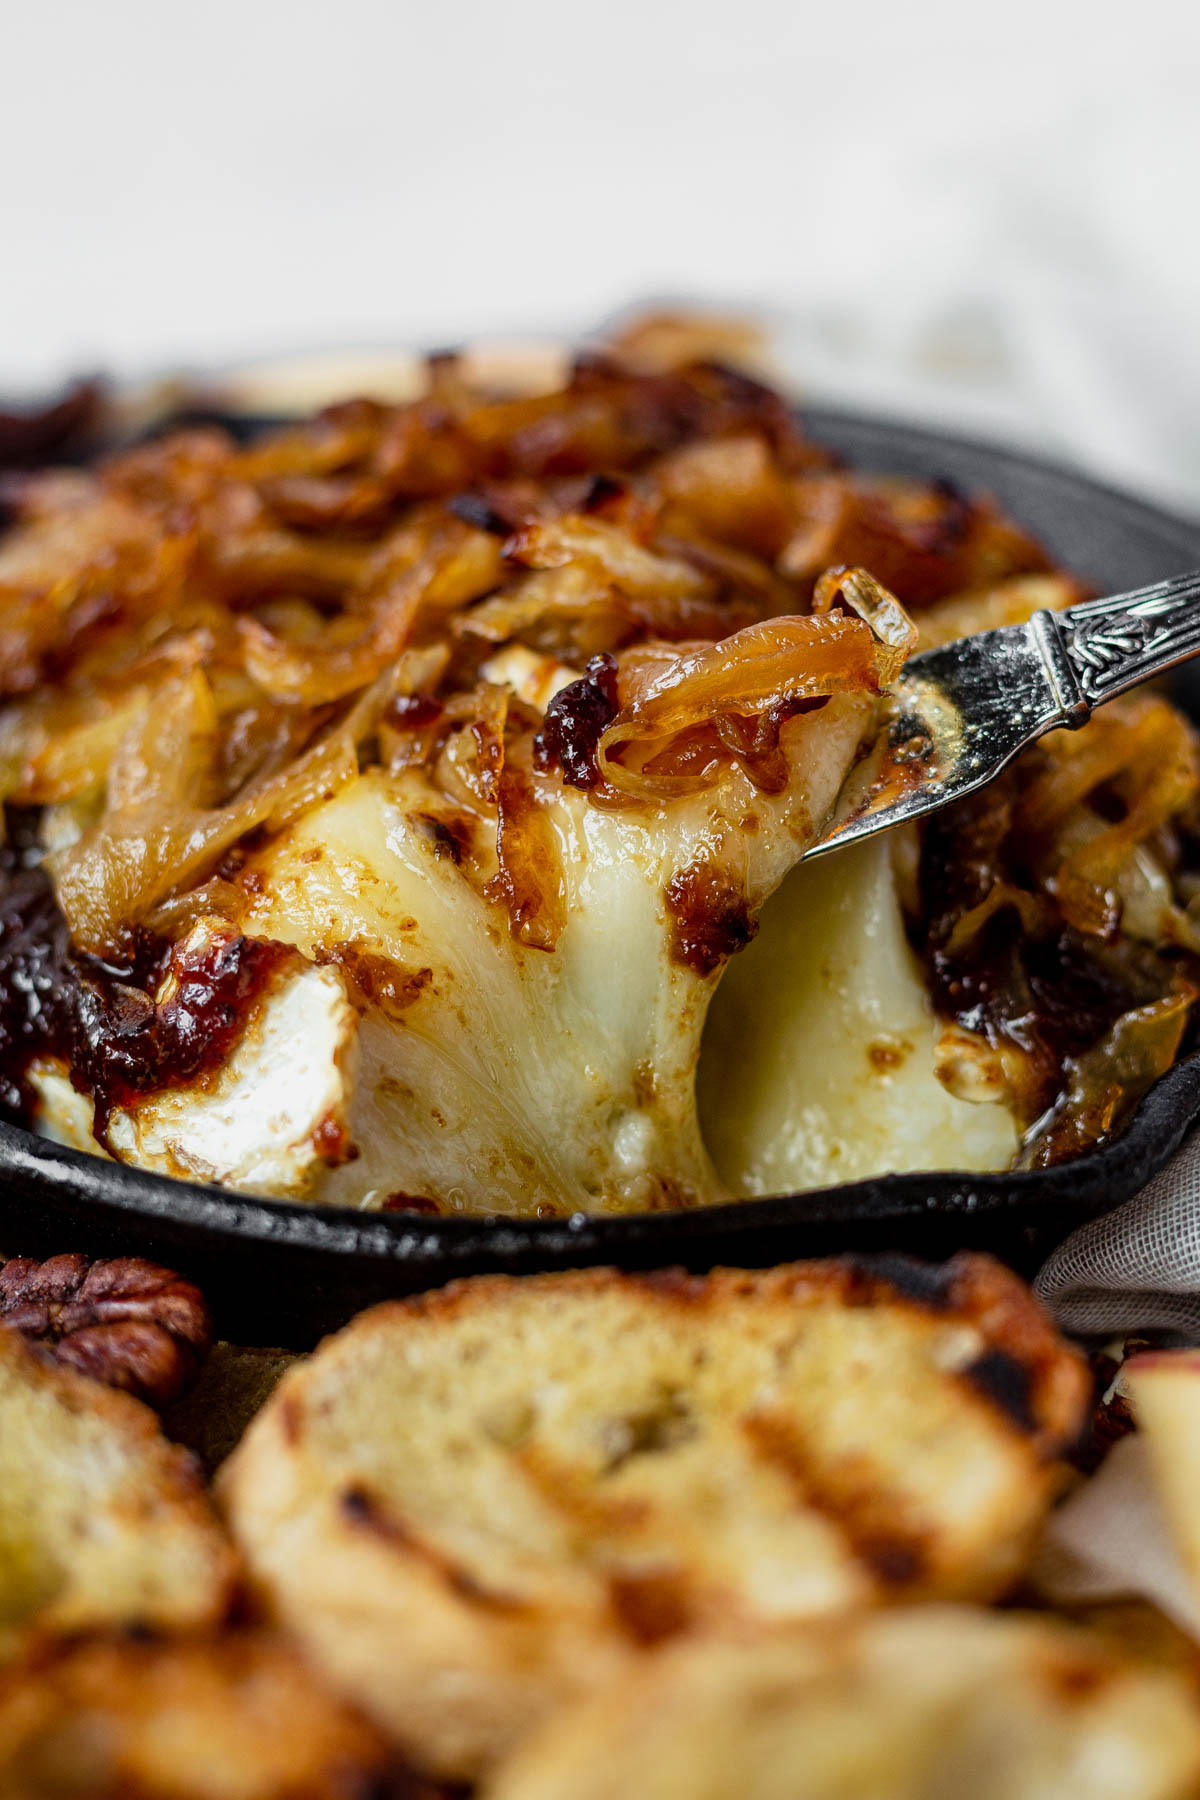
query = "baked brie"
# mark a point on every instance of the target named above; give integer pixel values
(388, 798)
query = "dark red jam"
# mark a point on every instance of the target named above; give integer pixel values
(575, 721)
(101, 1018)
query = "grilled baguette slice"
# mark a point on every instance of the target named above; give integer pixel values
(102, 1521)
(919, 1703)
(475, 1504)
(237, 1717)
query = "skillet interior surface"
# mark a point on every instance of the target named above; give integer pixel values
(285, 1273)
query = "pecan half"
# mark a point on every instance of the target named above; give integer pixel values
(128, 1323)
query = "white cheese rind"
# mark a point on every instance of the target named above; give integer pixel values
(262, 1122)
(257, 1123)
(63, 1115)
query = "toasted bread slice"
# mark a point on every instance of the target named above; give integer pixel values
(1164, 1388)
(474, 1504)
(233, 1718)
(921, 1703)
(102, 1522)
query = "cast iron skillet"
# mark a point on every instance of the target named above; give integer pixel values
(286, 1273)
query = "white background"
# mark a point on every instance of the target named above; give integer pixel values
(981, 213)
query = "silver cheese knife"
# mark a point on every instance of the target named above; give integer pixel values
(957, 715)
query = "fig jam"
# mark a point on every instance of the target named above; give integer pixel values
(576, 719)
(101, 1018)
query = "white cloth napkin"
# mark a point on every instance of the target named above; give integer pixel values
(1137, 1268)
(1110, 1541)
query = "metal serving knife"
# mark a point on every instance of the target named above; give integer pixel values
(958, 715)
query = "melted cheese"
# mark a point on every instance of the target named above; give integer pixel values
(819, 1058)
(513, 1079)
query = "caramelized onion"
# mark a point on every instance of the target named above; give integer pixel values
(157, 835)
(1025, 891)
(529, 881)
(779, 662)
(881, 610)
(1107, 1081)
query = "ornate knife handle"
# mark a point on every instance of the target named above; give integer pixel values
(1104, 647)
